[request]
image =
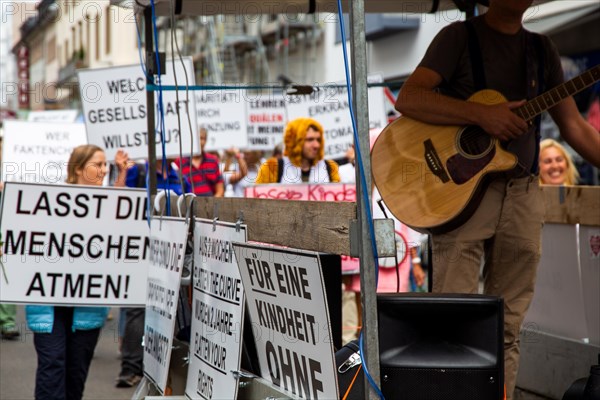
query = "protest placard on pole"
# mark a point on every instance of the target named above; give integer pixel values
(217, 312)
(168, 239)
(329, 106)
(288, 309)
(222, 112)
(73, 245)
(114, 106)
(38, 152)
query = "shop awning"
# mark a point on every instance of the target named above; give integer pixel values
(556, 16)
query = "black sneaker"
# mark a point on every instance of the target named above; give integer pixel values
(10, 333)
(128, 381)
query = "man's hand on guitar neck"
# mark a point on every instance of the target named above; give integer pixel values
(499, 121)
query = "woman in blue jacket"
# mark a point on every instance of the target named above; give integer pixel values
(65, 337)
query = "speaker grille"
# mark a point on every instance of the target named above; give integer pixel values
(440, 384)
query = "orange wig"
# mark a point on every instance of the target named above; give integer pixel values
(295, 132)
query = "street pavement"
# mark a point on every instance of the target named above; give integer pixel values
(18, 364)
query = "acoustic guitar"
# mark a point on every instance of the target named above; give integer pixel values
(431, 177)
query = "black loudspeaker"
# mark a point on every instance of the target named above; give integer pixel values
(441, 347)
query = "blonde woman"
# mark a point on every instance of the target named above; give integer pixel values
(65, 337)
(556, 165)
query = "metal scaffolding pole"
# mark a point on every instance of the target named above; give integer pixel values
(367, 262)
(150, 61)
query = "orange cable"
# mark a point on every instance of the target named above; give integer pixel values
(351, 383)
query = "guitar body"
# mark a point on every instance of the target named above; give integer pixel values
(431, 177)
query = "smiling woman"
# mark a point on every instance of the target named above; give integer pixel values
(556, 165)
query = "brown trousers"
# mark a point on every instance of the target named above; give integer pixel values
(504, 232)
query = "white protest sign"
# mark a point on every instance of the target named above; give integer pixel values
(62, 116)
(589, 253)
(74, 245)
(223, 114)
(329, 106)
(114, 107)
(217, 312)
(287, 306)
(168, 238)
(38, 152)
(266, 121)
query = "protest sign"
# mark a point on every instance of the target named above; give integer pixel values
(58, 116)
(329, 106)
(589, 255)
(38, 152)
(267, 117)
(115, 110)
(73, 245)
(304, 191)
(223, 113)
(168, 238)
(217, 312)
(286, 301)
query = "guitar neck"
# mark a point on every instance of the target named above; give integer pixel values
(552, 97)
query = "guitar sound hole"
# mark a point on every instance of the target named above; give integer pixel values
(473, 142)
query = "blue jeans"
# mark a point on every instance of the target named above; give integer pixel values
(64, 358)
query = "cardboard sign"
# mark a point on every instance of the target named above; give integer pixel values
(74, 245)
(58, 116)
(329, 106)
(288, 310)
(267, 117)
(217, 312)
(223, 114)
(168, 238)
(115, 111)
(38, 152)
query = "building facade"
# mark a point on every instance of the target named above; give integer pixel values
(62, 36)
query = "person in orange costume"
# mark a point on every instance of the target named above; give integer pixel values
(303, 157)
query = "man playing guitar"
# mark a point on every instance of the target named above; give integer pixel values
(494, 51)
